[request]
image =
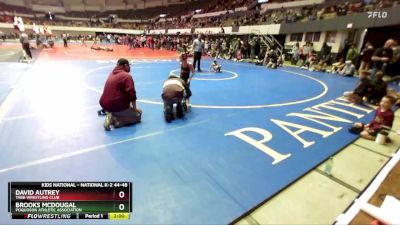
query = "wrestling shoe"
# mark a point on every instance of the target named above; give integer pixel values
(108, 122)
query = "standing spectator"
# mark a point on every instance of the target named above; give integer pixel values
(65, 39)
(306, 51)
(206, 46)
(295, 53)
(393, 67)
(346, 48)
(351, 53)
(325, 51)
(365, 56)
(119, 98)
(382, 56)
(25, 44)
(252, 44)
(198, 46)
(151, 42)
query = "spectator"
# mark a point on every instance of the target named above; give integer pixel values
(348, 70)
(65, 39)
(360, 91)
(337, 66)
(383, 120)
(351, 53)
(295, 54)
(365, 56)
(272, 58)
(378, 89)
(311, 60)
(393, 66)
(307, 49)
(320, 67)
(325, 51)
(25, 44)
(382, 56)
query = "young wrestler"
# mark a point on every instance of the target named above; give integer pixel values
(187, 72)
(215, 67)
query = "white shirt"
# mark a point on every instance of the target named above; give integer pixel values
(198, 45)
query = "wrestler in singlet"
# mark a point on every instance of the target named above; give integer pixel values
(185, 73)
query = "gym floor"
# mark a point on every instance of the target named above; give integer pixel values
(251, 151)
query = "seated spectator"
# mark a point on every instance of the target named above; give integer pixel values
(356, 96)
(310, 61)
(280, 60)
(337, 66)
(320, 67)
(272, 59)
(239, 56)
(383, 120)
(348, 70)
(378, 89)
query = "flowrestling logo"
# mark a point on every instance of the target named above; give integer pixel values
(376, 14)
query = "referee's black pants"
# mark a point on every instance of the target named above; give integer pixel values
(197, 58)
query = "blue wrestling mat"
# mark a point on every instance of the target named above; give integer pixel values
(252, 131)
(9, 76)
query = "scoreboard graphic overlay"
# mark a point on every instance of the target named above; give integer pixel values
(70, 200)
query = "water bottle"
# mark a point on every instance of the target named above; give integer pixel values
(328, 166)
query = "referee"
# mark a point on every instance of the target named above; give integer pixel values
(198, 46)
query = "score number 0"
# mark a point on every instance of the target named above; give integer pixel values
(121, 194)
